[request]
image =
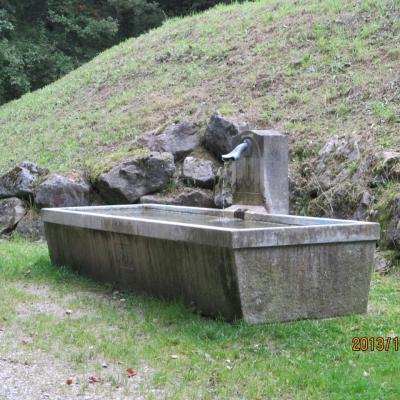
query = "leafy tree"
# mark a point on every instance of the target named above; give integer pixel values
(176, 7)
(41, 40)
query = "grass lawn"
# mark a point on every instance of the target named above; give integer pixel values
(71, 326)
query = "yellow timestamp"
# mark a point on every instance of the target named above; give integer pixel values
(375, 343)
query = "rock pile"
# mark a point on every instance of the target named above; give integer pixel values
(351, 180)
(178, 166)
(181, 165)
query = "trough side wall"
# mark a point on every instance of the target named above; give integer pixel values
(304, 281)
(200, 275)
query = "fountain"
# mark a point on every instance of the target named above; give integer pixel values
(250, 261)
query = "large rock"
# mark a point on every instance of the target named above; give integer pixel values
(21, 180)
(12, 210)
(178, 139)
(62, 191)
(199, 172)
(338, 183)
(189, 197)
(30, 227)
(222, 134)
(136, 177)
(335, 162)
(388, 167)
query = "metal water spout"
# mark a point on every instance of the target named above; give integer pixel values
(242, 149)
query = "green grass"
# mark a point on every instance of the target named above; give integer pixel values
(299, 360)
(309, 68)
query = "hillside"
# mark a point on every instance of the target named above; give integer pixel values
(311, 69)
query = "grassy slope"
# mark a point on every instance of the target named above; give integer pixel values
(310, 68)
(299, 360)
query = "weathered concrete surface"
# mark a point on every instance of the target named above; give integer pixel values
(303, 282)
(262, 178)
(313, 268)
(200, 275)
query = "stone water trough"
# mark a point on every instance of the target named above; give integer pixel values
(251, 262)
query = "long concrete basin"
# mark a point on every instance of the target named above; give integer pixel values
(255, 266)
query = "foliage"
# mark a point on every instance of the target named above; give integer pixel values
(41, 41)
(179, 7)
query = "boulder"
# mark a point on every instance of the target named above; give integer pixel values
(63, 191)
(388, 167)
(199, 172)
(222, 134)
(189, 197)
(135, 177)
(12, 210)
(31, 227)
(21, 180)
(335, 162)
(339, 184)
(178, 139)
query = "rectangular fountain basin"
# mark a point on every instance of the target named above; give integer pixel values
(255, 266)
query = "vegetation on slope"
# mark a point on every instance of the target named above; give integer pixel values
(311, 69)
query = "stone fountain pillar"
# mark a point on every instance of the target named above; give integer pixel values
(260, 178)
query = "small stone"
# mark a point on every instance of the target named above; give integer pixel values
(68, 312)
(382, 264)
(174, 357)
(104, 365)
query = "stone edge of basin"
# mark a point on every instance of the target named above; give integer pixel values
(299, 230)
